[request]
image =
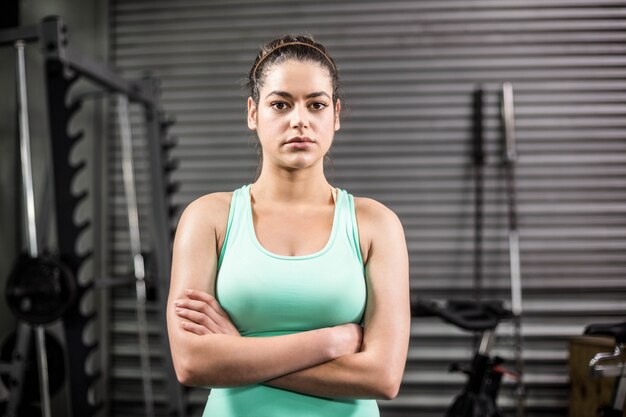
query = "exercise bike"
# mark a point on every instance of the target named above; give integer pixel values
(478, 397)
(618, 331)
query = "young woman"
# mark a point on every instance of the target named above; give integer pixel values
(290, 297)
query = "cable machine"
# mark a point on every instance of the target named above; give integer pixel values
(43, 287)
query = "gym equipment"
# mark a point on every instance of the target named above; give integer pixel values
(32, 270)
(135, 248)
(479, 395)
(63, 67)
(509, 160)
(56, 371)
(478, 159)
(40, 289)
(617, 331)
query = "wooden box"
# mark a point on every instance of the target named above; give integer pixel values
(587, 394)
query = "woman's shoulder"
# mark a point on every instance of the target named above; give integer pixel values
(373, 212)
(217, 200)
(209, 209)
(376, 222)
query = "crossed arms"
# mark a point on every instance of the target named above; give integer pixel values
(344, 361)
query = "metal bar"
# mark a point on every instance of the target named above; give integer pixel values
(100, 239)
(53, 43)
(135, 244)
(23, 336)
(604, 356)
(478, 158)
(75, 320)
(24, 34)
(486, 342)
(104, 76)
(619, 396)
(42, 366)
(25, 154)
(162, 243)
(510, 159)
(31, 223)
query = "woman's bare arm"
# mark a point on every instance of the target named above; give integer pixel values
(376, 371)
(217, 360)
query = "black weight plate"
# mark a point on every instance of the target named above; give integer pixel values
(39, 290)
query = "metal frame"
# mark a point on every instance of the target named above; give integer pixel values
(63, 67)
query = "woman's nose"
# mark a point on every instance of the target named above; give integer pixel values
(299, 117)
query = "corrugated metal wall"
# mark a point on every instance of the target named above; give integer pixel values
(408, 70)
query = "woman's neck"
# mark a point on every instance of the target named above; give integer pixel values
(292, 189)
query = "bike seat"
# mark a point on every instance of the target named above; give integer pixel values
(616, 330)
(468, 315)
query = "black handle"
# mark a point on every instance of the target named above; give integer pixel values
(468, 315)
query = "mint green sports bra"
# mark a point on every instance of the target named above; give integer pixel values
(267, 294)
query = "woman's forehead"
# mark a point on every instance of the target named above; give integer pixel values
(297, 76)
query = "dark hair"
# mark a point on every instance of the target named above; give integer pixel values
(298, 47)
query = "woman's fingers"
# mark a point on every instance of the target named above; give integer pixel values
(206, 298)
(199, 319)
(201, 307)
(194, 328)
(202, 310)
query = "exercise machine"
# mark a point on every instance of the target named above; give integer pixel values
(478, 398)
(40, 287)
(39, 280)
(618, 371)
(479, 395)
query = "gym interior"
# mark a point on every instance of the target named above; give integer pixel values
(496, 130)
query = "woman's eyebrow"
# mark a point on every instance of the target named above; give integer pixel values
(288, 95)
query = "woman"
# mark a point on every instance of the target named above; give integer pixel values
(290, 297)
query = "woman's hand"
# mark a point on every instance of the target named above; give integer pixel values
(203, 314)
(348, 339)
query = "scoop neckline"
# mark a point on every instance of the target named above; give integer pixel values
(329, 242)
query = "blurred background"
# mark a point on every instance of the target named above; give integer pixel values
(410, 71)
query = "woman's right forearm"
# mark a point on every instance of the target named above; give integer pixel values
(219, 360)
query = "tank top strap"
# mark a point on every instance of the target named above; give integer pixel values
(236, 220)
(348, 221)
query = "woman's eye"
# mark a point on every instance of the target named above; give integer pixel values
(279, 105)
(318, 106)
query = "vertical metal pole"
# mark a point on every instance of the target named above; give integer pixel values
(25, 153)
(31, 223)
(510, 159)
(619, 392)
(478, 159)
(161, 243)
(135, 244)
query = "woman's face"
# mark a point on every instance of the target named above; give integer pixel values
(295, 119)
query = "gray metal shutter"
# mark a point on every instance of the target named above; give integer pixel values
(408, 71)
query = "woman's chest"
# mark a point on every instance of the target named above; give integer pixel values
(264, 294)
(293, 233)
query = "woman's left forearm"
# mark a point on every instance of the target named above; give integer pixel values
(359, 375)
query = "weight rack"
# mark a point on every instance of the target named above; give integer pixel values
(63, 67)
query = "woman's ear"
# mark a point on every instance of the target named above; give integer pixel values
(252, 113)
(337, 112)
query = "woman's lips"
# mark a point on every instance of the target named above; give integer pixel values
(300, 142)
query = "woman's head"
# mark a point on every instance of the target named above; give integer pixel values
(300, 48)
(293, 98)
